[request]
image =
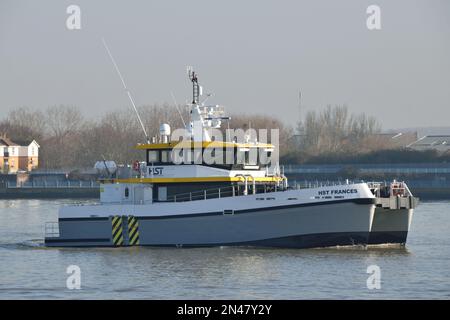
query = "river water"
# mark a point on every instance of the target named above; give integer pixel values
(30, 271)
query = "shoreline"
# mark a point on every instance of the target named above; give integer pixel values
(49, 193)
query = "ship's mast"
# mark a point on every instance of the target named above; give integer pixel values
(195, 86)
(203, 117)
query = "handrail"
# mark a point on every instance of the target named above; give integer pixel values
(230, 191)
(51, 230)
(203, 194)
(90, 184)
(211, 193)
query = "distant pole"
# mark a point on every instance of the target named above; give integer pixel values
(300, 112)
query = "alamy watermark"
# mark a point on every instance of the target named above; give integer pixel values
(373, 21)
(374, 280)
(228, 147)
(74, 279)
(73, 21)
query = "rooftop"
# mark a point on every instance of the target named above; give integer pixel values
(432, 142)
(7, 142)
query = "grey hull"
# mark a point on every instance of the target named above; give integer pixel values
(390, 226)
(337, 223)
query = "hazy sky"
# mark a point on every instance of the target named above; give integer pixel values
(253, 55)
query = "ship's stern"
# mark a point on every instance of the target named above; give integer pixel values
(394, 211)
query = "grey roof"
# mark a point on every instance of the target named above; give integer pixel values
(6, 141)
(432, 142)
(23, 142)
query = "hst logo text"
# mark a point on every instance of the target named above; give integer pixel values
(156, 171)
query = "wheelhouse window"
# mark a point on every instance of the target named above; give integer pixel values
(153, 156)
(166, 156)
(214, 156)
(219, 156)
(240, 157)
(265, 157)
(248, 157)
(252, 157)
(188, 156)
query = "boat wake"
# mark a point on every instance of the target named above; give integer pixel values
(27, 244)
(365, 247)
(34, 243)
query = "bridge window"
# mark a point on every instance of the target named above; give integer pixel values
(252, 158)
(249, 157)
(188, 156)
(212, 156)
(162, 193)
(166, 156)
(153, 156)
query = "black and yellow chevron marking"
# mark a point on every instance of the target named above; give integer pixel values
(133, 231)
(117, 230)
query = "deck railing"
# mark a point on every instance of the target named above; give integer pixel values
(51, 229)
(234, 191)
(223, 192)
(54, 184)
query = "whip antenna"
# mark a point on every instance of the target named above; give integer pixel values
(126, 89)
(176, 105)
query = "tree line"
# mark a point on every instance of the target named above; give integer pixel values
(68, 139)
